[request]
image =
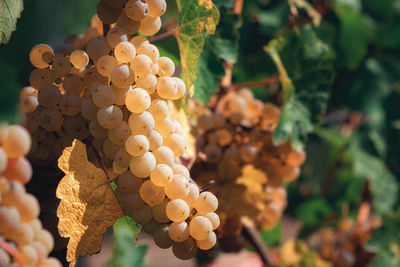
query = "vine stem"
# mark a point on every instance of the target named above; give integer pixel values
(267, 81)
(253, 236)
(171, 24)
(17, 255)
(163, 35)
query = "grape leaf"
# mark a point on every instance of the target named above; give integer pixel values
(10, 11)
(88, 205)
(385, 241)
(195, 19)
(354, 34)
(125, 252)
(383, 183)
(209, 73)
(220, 47)
(305, 82)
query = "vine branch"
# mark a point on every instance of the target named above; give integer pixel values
(171, 24)
(163, 35)
(267, 81)
(252, 235)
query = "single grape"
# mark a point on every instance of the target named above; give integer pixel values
(150, 25)
(129, 184)
(109, 117)
(161, 237)
(16, 142)
(138, 100)
(151, 193)
(167, 67)
(143, 165)
(136, 10)
(177, 210)
(105, 65)
(185, 250)
(179, 187)
(206, 202)
(125, 52)
(137, 145)
(141, 123)
(207, 243)
(200, 227)
(178, 231)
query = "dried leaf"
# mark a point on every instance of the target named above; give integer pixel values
(88, 205)
(195, 18)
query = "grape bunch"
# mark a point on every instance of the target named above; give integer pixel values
(19, 210)
(112, 93)
(234, 136)
(133, 15)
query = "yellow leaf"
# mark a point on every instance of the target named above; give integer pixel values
(88, 205)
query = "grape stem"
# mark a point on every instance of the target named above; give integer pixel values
(163, 35)
(253, 236)
(171, 24)
(15, 253)
(273, 79)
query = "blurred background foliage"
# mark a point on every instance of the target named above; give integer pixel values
(343, 106)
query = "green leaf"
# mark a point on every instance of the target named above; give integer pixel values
(220, 47)
(383, 183)
(305, 65)
(311, 211)
(10, 11)
(195, 19)
(294, 123)
(385, 241)
(354, 34)
(273, 236)
(125, 251)
(210, 71)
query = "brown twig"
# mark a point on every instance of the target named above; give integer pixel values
(15, 253)
(207, 186)
(171, 24)
(253, 236)
(267, 81)
(163, 35)
(237, 9)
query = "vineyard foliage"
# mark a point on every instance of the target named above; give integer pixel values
(336, 72)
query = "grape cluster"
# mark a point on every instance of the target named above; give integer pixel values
(112, 92)
(133, 15)
(236, 134)
(19, 210)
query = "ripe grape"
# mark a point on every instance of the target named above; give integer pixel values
(109, 117)
(136, 10)
(16, 142)
(122, 76)
(161, 237)
(150, 25)
(161, 175)
(151, 193)
(179, 187)
(167, 67)
(138, 100)
(178, 231)
(160, 212)
(129, 184)
(200, 227)
(142, 65)
(177, 210)
(79, 59)
(143, 165)
(207, 243)
(157, 7)
(125, 52)
(137, 145)
(142, 123)
(105, 65)
(115, 36)
(206, 202)
(185, 250)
